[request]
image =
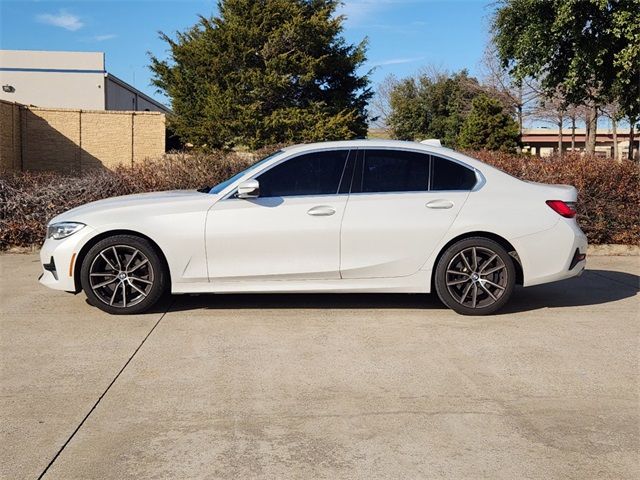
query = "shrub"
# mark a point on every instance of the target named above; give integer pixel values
(607, 203)
(28, 200)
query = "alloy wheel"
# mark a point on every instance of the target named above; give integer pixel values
(121, 276)
(476, 277)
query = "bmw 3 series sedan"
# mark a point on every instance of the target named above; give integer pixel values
(352, 216)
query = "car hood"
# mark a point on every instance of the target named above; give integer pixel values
(140, 201)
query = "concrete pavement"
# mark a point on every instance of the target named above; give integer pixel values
(323, 386)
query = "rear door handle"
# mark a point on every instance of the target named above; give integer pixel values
(440, 204)
(321, 211)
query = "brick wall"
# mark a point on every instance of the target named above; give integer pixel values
(146, 132)
(98, 147)
(10, 145)
(50, 140)
(74, 141)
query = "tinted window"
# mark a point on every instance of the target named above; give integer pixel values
(394, 171)
(315, 173)
(447, 175)
(221, 186)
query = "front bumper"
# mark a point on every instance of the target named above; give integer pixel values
(58, 259)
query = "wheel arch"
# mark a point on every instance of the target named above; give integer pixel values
(491, 236)
(101, 236)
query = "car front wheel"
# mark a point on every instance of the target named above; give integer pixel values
(123, 274)
(475, 276)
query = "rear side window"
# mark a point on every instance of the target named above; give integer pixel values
(393, 171)
(448, 175)
(316, 173)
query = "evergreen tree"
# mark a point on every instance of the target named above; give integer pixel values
(488, 126)
(431, 106)
(409, 117)
(265, 72)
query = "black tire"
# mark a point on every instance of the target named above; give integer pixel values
(123, 275)
(461, 281)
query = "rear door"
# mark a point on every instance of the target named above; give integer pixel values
(401, 205)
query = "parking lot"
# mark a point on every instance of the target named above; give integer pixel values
(323, 386)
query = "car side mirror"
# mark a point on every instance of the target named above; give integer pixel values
(249, 189)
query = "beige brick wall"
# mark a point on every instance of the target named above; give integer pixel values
(73, 141)
(106, 139)
(10, 146)
(147, 129)
(50, 140)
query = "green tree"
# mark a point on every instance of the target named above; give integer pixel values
(451, 100)
(265, 72)
(409, 116)
(488, 126)
(587, 49)
(431, 106)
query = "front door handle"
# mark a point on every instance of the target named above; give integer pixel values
(440, 204)
(321, 211)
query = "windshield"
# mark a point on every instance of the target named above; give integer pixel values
(221, 186)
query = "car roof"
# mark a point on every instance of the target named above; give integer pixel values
(360, 144)
(375, 143)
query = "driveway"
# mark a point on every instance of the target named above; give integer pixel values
(323, 386)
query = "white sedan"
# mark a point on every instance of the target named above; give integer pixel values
(353, 216)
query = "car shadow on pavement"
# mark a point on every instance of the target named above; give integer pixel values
(304, 300)
(594, 287)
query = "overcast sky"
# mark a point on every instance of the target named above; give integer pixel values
(404, 35)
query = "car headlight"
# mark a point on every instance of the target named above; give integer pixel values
(61, 230)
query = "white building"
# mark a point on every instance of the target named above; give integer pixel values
(68, 80)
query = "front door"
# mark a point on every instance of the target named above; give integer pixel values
(291, 231)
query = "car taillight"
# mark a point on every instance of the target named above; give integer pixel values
(566, 209)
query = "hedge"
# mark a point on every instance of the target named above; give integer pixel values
(608, 201)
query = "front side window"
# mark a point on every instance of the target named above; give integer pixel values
(221, 186)
(448, 175)
(316, 173)
(394, 171)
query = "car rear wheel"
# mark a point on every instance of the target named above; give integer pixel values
(475, 276)
(123, 274)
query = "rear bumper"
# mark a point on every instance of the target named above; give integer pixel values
(578, 257)
(555, 254)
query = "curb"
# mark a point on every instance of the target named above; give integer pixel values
(613, 250)
(21, 250)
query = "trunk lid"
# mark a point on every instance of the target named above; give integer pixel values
(566, 193)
